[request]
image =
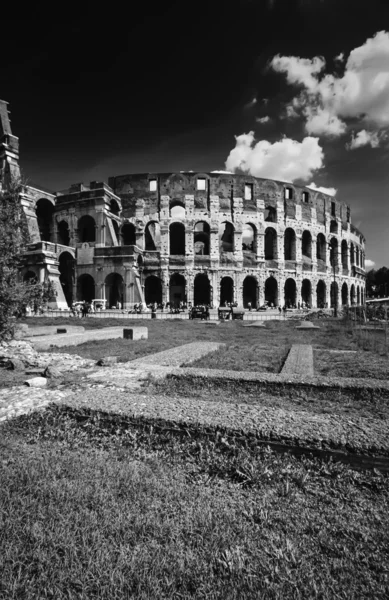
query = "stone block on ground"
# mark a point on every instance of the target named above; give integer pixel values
(135, 333)
(299, 361)
(255, 324)
(107, 361)
(52, 372)
(307, 325)
(16, 364)
(36, 382)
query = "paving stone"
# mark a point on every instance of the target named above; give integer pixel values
(307, 325)
(135, 333)
(299, 361)
(175, 357)
(74, 339)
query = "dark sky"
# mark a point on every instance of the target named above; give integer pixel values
(112, 88)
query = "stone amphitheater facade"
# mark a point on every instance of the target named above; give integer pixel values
(190, 237)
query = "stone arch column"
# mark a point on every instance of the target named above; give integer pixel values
(280, 248)
(260, 244)
(299, 254)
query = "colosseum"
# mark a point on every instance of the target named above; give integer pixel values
(190, 237)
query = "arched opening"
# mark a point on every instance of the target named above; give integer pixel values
(63, 233)
(270, 214)
(114, 290)
(114, 207)
(152, 236)
(177, 290)
(66, 275)
(271, 291)
(250, 292)
(226, 291)
(202, 290)
(86, 229)
(358, 296)
(333, 227)
(153, 290)
(321, 294)
(334, 250)
(201, 238)
(344, 295)
(270, 244)
(226, 237)
(85, 288)
(306, 246)
(321, 248)
(344, 254)
(30, 277)
(357, 256)
(128, 235)
(289, 244)
(290, 293)
(177, 211)
(334, 294)
(248, 238)
(353, 296)
(177, 239)
(44, 215)
(306, 293)
(352, 254)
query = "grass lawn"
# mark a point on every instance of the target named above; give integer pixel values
(247, 348)
(89, 513)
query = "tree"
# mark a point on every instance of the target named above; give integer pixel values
(15, 295)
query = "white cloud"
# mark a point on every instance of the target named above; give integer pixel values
(364, 138)
(223, 172)
(330, 191)
(340, 57)
(327, 101)
(263, 119)
(286, 160)
(369, 264)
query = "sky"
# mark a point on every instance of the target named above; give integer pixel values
(294, 90)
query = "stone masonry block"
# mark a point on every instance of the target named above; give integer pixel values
(136, 333)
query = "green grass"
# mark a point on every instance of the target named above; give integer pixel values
(88, 512)
(248, 348)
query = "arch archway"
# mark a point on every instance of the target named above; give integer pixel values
(127, 234)
(177, 289)
(352, 253)
(153, 290)
(334, 251)
(306, 292)
(152, 236)
(226, 237)
(333, 227)
(270, 244)
(177, 239)
(250, 286)
(114, 207)
(202, 289)
(66, 277)
(334, 294)
(201, 238)
(177, 211)
(270, 214)
(226, 291)
(44, 214)
(321, 248)
(114, 289)
(271, 291)
(358, 296)
(344, 294)
(290, 293)
(321, 294)
(344, 254)
(306, 246)
(353, 296)
(86, 229)
(289, 244)
(30, 277)
(85, 288)
(63, 233)
(249, 238)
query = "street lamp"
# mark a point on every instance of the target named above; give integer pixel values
(331, 247)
